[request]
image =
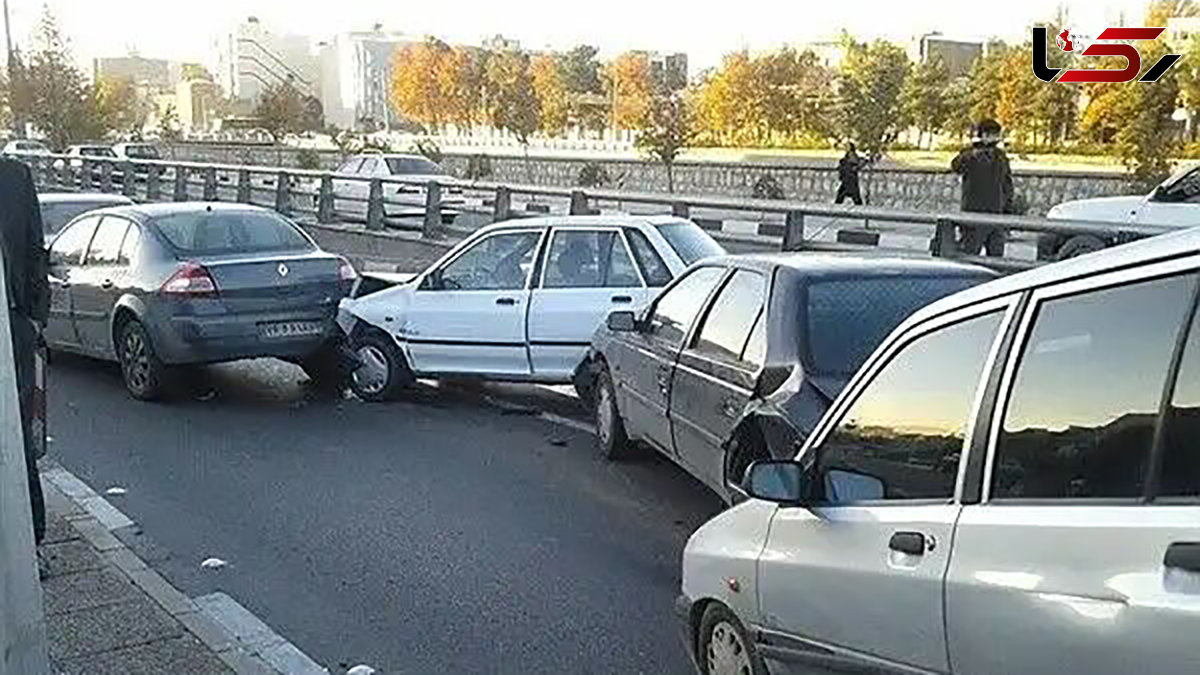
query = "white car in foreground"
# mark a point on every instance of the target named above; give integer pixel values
(517, 301)
(1174, 203)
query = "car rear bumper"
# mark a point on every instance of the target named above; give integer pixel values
(180, 340)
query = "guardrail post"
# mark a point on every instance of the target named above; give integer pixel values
(66, 177)
(210, 184)
(325, 200)
(502, 210)
(283, 193)
(681, 210)
(106, 176)
(375, 205)
(181, 183)
(433, 209)
(128, 180)
(152, 174)
(944, 244)
(579, 203)
(793, 231)
(244, 191)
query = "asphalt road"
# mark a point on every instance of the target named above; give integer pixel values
(439, 534)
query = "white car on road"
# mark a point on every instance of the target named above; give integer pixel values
(400, 200)
(1174, 203)
(517, 301)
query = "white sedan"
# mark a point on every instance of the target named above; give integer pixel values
(1174, 203)
(517, 301)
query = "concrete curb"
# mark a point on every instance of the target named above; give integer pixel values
(94, 518)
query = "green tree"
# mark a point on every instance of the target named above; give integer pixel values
(870, 106)
(61, 106)
(630, 88)
(281, 110)
(667, 131)
(985, 82)
(120, 107)
(546, 73)
(513, 103)
(168, 124)
(581, 70)
(468, 85)
(927, 98)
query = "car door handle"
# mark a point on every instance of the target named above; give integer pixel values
(912, 543)
(664, 379)
(622, 299)
(1183, 556)
(506, 301)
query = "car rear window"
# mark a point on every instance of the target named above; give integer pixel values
(690, 242)
(97, 152)
(849, 318)
(413, 166)
(207, 232)
(142, 152)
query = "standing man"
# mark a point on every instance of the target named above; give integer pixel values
(848, 168)
(22, 242)
(986, 187)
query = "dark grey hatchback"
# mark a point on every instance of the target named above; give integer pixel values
(165, 285)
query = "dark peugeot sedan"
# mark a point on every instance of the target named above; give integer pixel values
(164, 285)
(740, 357)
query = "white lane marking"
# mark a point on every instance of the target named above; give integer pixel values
(256, 636)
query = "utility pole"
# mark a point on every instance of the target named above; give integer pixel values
(18, 126)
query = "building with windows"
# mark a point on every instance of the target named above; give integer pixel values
(958, 55)
(669, 70)
(152, 74)
(355, 76)
(251, 58)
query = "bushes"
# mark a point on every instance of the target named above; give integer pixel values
(766, 187)
(593, 175)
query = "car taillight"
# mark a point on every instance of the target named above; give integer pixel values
(191, 279)
(346, 271)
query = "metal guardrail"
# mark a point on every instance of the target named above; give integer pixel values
(328, 198)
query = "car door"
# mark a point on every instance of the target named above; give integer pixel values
(587, 274)
(643, 363)
(347, 191)
(853, 583)
(65, 269)
(1083, 555)
(94, 296)
(1176, 204)
(468, 315)
(714, 379)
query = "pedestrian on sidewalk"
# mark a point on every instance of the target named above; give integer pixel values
(848, 168)
(986, 187)
(22, 242)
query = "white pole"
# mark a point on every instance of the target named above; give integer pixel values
(22, 625)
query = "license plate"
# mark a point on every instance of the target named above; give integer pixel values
(289, 329)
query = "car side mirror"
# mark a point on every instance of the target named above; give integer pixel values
(622, 322)
(780, 481)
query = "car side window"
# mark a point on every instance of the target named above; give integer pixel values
(677, 308)
(350, 166)
(1186, 189)
(1085, 398)
(653, 268)
(1180, 472)
(106, 245)
(589, 259)
(129, 247)
(69, 247)
(726, 329)
(755, 352)
(499, 262)
(903, 436)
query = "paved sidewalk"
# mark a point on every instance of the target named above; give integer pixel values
(108, 613)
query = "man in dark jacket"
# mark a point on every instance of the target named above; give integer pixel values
(848, 168)
(22, 243)
(986, 187)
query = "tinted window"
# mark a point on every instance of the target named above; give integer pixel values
(1081, 415)
(849, 318)
(655, 271)
(416, 166)
(727, 328)
(216, 232)
(903, 437)
(133, 238)
(142, 152)
(93, 151)
(69, 247)
(690, 242)
(56, 215)
(580, 259)
(679, 306)
(499, 262)
(1180, 476)
(106, 245)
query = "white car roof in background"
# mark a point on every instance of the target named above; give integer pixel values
(83, 198)
(614, 220)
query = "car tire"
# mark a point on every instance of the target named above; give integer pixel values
(723, 647)
(383, 371)
(1081, 245)
(611, 439)
(144, 374)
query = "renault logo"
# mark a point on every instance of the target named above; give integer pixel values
(283, 270)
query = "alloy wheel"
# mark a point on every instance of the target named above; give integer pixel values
(727, 654)
(136, 358)
(604, 416)
(371, 378)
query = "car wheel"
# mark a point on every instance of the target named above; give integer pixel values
(724, 647)
(143, 372)
(611, 439)
(1081, 245)
(383, 370)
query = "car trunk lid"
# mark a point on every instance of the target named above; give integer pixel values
(267, 284)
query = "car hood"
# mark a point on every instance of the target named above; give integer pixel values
(386, 309)
(1105, 209)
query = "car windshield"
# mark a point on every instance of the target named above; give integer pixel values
(208, 233)
(690, 242)
(413, 166)
(142, 152)
(56, 215)
(849, 318)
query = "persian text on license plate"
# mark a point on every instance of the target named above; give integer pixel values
(289, 329)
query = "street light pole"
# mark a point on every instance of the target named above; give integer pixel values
(8, 51)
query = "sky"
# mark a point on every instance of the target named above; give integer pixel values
(704, 30)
